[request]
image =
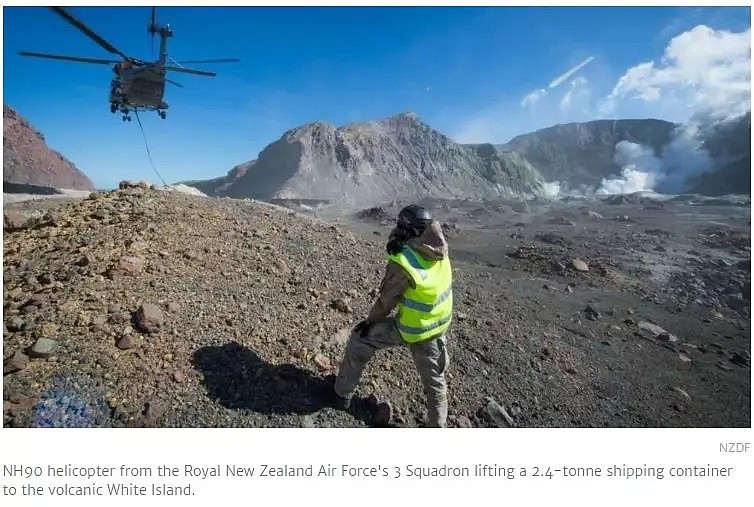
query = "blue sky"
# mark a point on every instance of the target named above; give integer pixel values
(464, 71)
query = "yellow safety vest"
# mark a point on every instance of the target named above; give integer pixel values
(425, 311)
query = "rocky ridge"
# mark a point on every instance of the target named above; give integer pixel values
(28, 160)
(369, 163)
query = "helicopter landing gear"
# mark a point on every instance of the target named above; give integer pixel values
(162, 114)
(114, 108)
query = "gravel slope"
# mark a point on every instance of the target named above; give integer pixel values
(166, 309)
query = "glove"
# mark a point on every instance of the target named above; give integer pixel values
(362, 328)
(394, 246)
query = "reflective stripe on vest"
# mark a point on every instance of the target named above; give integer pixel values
(426, 310)
(421, 330)
(416, 305)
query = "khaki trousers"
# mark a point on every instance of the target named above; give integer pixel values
(431, 359)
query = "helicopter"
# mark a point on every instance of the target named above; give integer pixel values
(138, 85)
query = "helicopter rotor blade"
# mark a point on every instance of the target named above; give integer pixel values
(210, 60)
(179, 85)
(89, 32)
(69, 58)
(190, 71)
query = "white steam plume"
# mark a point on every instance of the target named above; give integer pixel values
(683, 158)
(640, 170)
(551, 190)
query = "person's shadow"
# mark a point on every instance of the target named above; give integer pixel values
(237, 378)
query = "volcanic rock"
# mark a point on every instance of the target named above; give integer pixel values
(15, 323)
(131, 264)
(342, 305)
(149, 318)
(17, 362)
(13, 220)
(125, 342)
(322, 361)
(378, 214)
(43, 348)
(497, 414)
(579, 265)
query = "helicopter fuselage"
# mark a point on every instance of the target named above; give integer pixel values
(136, 88)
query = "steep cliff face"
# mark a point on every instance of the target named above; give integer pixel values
(399, 157)
(729, 145)
(583, 154)
(28, 160)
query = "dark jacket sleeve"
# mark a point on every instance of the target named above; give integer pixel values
(394, 284)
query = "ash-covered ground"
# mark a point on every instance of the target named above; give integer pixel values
(629, 312)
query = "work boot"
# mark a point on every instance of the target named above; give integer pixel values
(341, 402)
(383, 413)
(331, 398)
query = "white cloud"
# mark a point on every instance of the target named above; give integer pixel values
(576, 96)
(563, 77)
(707, 71)
(532, 98)
(703, 74)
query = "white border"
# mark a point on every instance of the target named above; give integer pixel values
(519, 447)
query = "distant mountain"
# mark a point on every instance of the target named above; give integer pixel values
(582, 153)
(28, 160)
(397, 158)
(403, 158)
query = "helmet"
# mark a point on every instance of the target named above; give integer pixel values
(414, 219)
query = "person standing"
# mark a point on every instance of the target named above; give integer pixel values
(418, 282)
